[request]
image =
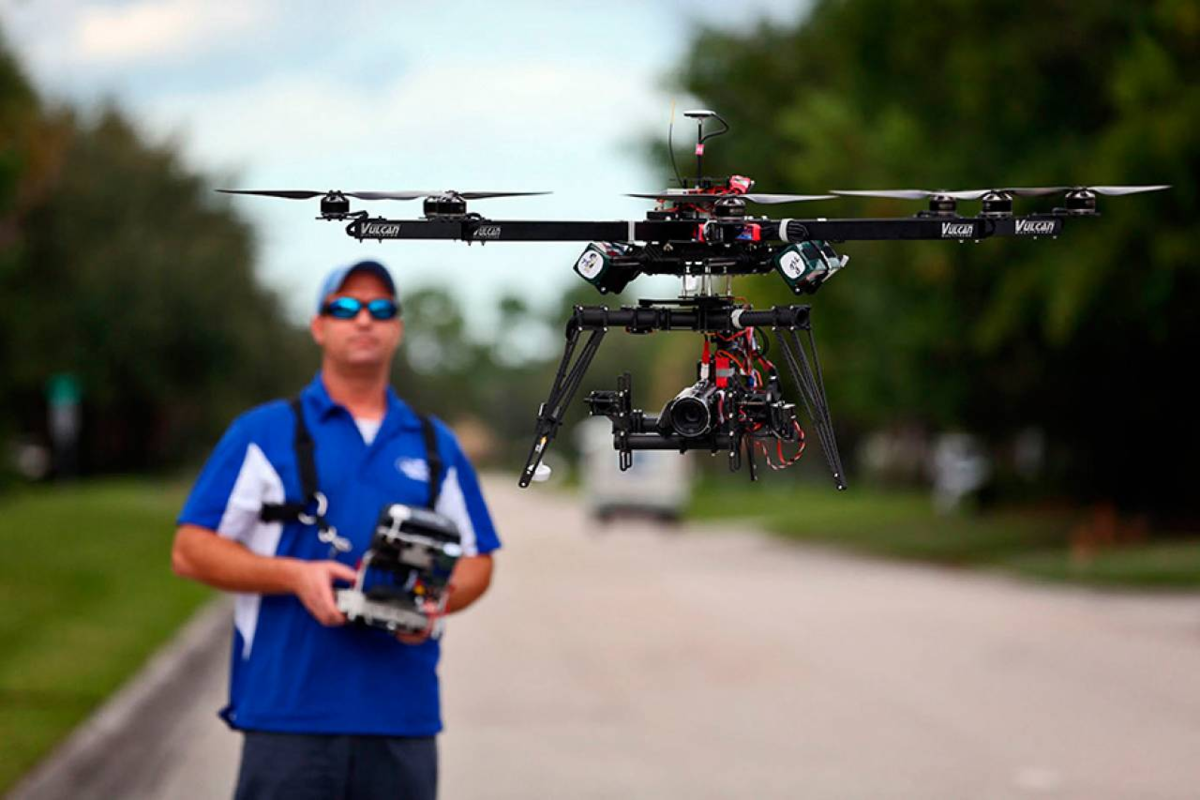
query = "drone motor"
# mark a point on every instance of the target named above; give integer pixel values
(1081, 202)
(941, 205)
(449, 205)
(335, 204)
(729, 208)
(996, 204)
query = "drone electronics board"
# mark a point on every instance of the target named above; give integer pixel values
(706, 233)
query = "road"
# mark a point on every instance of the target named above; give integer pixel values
(638, 661)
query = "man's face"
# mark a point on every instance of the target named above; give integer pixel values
(363, 341)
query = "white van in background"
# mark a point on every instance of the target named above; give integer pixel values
(658, 484)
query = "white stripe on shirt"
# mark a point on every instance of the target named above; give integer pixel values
(452, 504)
(257, 483)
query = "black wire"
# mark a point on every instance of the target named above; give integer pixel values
(671, 149)
(764, 347)
(714, 134)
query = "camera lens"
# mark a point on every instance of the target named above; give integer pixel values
(690, 413)
(689, 416)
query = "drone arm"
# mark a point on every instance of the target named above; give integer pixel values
(566, 383)
(811, 384)
(901, 228)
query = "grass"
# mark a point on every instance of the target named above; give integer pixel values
(86, 595)
(1034, 543)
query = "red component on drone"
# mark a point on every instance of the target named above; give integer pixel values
(723, 372)
(740, 184)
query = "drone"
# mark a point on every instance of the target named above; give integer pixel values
(706, 232)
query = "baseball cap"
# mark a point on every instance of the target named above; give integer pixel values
(338, 275)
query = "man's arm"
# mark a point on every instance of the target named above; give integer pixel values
(471, 578)
(205, 556)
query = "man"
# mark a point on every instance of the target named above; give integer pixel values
(330, 710)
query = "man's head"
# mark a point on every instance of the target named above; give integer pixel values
(352, 325)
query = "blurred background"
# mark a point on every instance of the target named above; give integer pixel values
(1015, 404)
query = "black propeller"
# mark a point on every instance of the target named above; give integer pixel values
(998, 202)
(956, 194)
(753, 197)
(1111, 191)
(306, 194)
(1082, 199)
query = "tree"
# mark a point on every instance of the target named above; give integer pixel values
(1082, 337)
(135, 277)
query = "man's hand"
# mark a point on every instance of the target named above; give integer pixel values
(433, 614)
(312, 583)
(205, 556)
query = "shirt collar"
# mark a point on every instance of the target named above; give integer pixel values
(399, 414)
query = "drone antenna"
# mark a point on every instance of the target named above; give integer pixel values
(701, 114)
(671, 146)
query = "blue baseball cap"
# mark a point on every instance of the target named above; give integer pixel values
(334, 280)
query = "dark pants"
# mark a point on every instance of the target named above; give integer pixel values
(299, 766)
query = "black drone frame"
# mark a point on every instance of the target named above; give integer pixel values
(694, 246)
(700, 233)
(713, 233)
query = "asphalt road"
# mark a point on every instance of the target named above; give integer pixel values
(639, 661)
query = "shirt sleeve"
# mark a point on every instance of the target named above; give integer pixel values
(216, 501)
(462, 501)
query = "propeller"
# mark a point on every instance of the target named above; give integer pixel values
(975, 194)
(306, 194)
(999, 202)
(956, 194)
(289, 194)
(1114, 191)
(700, 198)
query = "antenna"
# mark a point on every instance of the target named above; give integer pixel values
(701, 114)
(671, 147)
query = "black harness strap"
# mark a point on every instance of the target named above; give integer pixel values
(434, 458)
(305, 452)
(306, 462)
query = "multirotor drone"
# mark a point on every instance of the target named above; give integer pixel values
(704, 233)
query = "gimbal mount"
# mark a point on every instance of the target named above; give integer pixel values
(722, 411)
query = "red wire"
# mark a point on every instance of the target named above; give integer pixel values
(784, 463)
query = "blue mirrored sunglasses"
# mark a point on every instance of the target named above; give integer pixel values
(348, 308)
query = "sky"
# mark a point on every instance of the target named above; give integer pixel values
(516, 95)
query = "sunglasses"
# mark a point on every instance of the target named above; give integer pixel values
(348, 308)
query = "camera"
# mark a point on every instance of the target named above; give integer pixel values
(703, 416)
(405, 572)
(693, 411)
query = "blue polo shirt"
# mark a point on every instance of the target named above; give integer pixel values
(290, 673)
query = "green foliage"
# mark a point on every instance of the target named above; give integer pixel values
(133, 276)
(18, 111)
(1030, 542)
(1084, 336)
(86, 595)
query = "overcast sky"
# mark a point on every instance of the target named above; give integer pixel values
(391, 95)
